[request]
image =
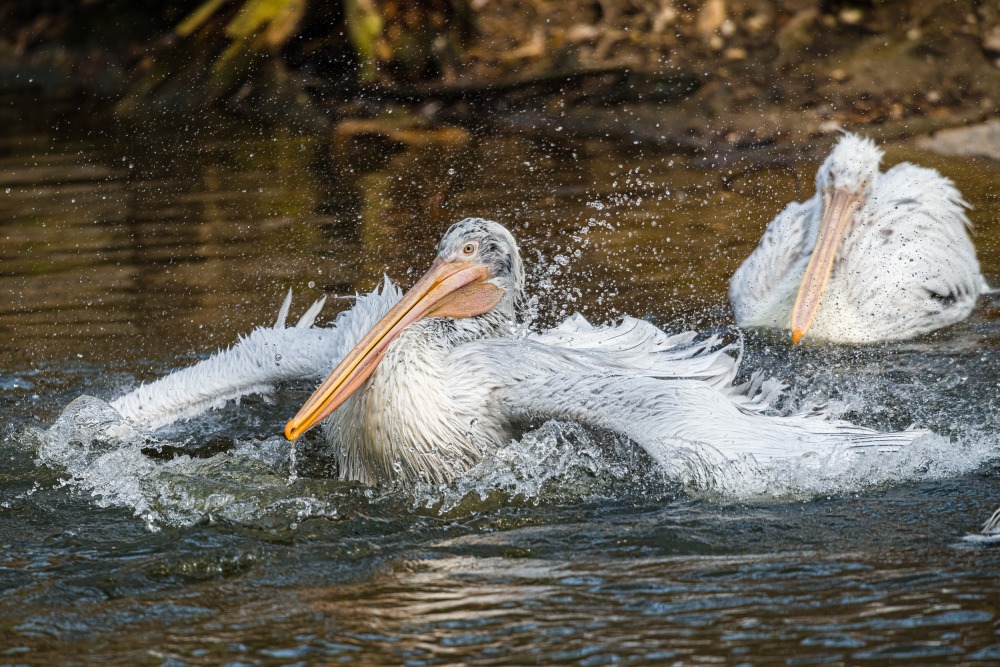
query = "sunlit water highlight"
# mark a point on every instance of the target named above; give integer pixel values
(207, 542)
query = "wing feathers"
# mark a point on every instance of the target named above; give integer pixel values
(643, 348)
(309, 317)
(257, 362)
(672, 395)
(690, 428)
(283, 311)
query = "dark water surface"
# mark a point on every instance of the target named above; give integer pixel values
(129, 250)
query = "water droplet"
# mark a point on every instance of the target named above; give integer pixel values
(312, 284)
(277, 357)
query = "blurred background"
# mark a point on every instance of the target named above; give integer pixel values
(689, 73)
(170, 169)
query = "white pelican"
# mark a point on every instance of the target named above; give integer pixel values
(869, 257)
(992, 525)
(429, 382)
(989, 533)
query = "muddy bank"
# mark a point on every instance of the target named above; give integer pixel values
(695, 76)
(756, 69)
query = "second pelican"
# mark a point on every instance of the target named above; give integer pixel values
(869, 257)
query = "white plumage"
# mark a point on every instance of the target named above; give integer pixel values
(903, 265)
(256, 363)
(442, 391)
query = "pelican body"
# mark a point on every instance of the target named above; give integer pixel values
(427, 383)
(871, 256)
(412, 405)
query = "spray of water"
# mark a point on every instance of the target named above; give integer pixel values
(103, 456)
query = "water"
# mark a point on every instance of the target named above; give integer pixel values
(129, 250)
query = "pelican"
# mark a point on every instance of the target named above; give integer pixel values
(989, 533)
(871, 256)
(424, 385)
(992, 525)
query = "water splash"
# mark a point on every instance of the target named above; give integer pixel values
(249, 484)
(930, 457)
(105, 456)
(559, 461)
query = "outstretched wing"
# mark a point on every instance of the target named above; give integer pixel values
(258, 362)
(676, 401)
(639, 346)
(688, 427)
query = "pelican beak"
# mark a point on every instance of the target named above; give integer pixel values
(450, 288)
(838, 211)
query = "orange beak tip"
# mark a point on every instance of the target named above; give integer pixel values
(797, 335)
(290, 433)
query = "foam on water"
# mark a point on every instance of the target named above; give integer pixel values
(103, 455)
(557, 461)
(253, 482)
(928, 457)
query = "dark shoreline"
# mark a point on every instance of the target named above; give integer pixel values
(709, 77)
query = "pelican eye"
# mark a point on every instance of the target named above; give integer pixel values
(469, 249)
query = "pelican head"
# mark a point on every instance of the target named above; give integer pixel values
(475, 283)
(852, 165)
(496, 250)
(845, 181)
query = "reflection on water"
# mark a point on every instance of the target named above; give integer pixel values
(189, 235)
(130, 250)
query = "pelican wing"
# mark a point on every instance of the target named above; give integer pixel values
(256, 363)
(639, 346)
(689, 428)
(658, 395)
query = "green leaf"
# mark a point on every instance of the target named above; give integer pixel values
(364, 27)
(198, 17)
